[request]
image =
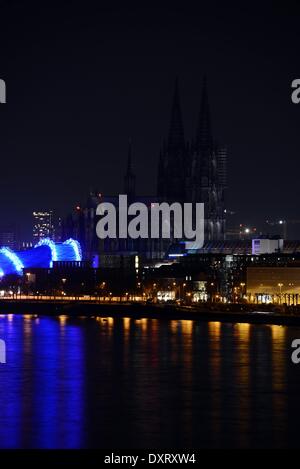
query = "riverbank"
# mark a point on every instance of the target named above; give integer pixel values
(256, 314)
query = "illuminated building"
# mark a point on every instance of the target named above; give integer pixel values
(267, 245)
(275, 284)
(223, 266)
(43, 226)
(43, 255)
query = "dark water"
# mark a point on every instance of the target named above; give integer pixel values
(73, 383)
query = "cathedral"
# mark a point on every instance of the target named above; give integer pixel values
(187, 172)
(195, 171)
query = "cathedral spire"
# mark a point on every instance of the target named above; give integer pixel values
(160, 175)
(129, 178)
(203, 135)
(129, 158)
(172, 162)
(176, 132)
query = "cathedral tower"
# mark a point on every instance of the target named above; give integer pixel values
(129, 178)
(172, 168)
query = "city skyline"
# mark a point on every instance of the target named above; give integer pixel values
(131, 177)
(149, 229)
(84, 145)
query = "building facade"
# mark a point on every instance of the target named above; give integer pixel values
(8, 236)
(43, 225)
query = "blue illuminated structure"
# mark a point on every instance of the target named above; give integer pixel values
(75, 245)
(48, 242)
(41, 256)
(10, 262)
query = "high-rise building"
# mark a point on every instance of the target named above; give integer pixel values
(8, 236)
(43, 226)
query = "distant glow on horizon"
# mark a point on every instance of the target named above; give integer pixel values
(12, 256)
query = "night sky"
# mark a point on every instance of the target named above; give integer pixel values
(82, 80)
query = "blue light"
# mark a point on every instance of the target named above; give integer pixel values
(76, 248)
(48, 242)
(39, 257)
(17, 263)
(42, 256)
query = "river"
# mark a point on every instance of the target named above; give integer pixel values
(148, 383)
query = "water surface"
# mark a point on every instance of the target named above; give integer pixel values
(123, 383)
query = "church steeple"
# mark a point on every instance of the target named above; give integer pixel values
(176, 132)
(160, 175)
(129, 158)
(172, 161)
(129, 178)
(204, 135)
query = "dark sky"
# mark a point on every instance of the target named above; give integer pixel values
(82, 80)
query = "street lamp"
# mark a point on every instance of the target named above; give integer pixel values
(242, 285)
(280, 289)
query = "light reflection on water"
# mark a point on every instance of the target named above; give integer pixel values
(104, 382)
